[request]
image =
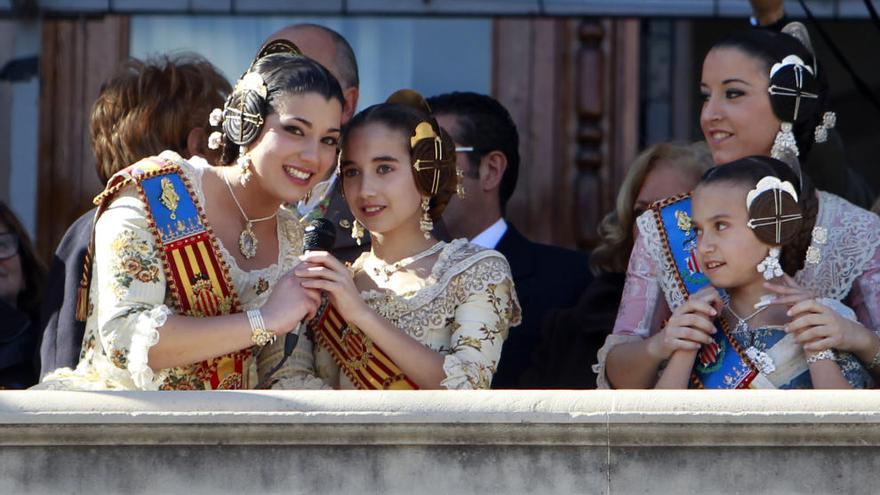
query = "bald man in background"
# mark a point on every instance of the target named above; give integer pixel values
(330, 49)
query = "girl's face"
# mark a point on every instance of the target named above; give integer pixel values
(736, 118)
(11, 276)
(377, 179)
(727, 250)
(297, 145)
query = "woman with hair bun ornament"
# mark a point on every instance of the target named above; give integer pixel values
(190, 282)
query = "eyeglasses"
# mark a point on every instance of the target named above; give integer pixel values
(8, 245)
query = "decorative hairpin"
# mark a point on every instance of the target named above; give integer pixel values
(771, 183)
(426, 131)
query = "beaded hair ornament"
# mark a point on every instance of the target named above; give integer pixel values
(243, 114)
(794, 97)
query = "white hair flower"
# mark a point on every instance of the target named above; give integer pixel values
(214, 140)
(252, 82)
(216, 117)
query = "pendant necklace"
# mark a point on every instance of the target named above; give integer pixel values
(247, 240)
(759, 358)
(384, 270)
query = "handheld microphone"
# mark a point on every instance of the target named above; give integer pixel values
(319, 236)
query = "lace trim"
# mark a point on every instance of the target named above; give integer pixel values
(456, 258)
(460, 374)
(667, 271)
(146, 335)
(853, 238)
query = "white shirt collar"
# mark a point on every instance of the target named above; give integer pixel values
(489, 238)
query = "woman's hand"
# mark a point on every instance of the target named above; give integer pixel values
(818, 327)
(789, 292)
(690, 325)
(322, 271)
(289, 304)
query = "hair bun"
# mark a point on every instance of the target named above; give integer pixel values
(410, 98)
(794, 91)
(775, 217)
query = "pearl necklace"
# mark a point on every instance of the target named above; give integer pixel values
(247, 239)
(759, 358)
(383, 270)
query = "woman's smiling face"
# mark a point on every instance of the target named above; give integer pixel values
(736, 118)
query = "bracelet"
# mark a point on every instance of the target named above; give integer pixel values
(819, 356)
(874, 362)
(259, 335)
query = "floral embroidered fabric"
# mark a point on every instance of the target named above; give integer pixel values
(463, 311)
(848, 269)
(129, 300)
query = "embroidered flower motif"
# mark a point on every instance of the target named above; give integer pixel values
(261, 286)
(814, 255)
(214, 140)
(820, 235)
(133, 261)
(216, 117)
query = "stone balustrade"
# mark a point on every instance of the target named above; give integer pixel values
(509, 442)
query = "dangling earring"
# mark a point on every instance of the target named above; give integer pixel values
(357, 232)
(784, 145)
(426, 225)
(829, 120)
(459, 187)
(770, 266)
(244, 167)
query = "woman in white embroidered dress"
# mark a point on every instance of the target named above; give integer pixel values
(440, 311)
(741, 117)
(284, 119)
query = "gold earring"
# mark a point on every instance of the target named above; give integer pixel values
(426, 225)
(357, 232)
(459, 187)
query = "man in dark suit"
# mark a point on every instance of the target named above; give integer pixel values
(545, 277)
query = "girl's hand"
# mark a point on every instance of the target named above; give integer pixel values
(690, 325)
(789, 292)
(322, 271)
(818, 327)
(289, 304)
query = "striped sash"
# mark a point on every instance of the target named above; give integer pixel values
(361, 360)
(196, 275)
(723, 364)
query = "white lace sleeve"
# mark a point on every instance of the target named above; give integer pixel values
(480, 326)
(128, 293)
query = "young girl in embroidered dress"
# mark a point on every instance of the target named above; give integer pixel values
(413, 312)
(746, 216)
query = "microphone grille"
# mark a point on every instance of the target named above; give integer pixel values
(320, 235)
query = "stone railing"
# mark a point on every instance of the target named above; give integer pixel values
(509, 442)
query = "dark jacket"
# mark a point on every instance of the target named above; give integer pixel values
(18, 344)
(571, 337)
(545, 277)
(62, 335)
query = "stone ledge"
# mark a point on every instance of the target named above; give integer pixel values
(684, 442)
